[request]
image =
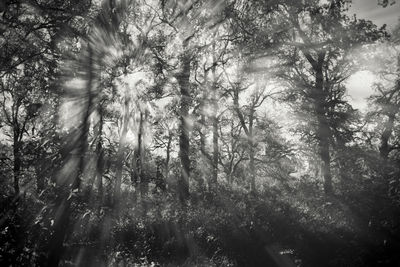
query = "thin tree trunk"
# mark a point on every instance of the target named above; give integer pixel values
(17, 162)
(184, 145)
(215, 125)
(121, 151)
(231, 156)
(250, 141)
(202, 130)
(215, 151)
(168, 156)
(251, 153)
(139, 165)
(230, 169)
(100, 153)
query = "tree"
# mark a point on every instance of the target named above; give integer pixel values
(32, 32)
(316, 37)
(177, 132)
(387, 106)
(184, 22)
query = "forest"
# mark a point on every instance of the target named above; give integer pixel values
(197, 133)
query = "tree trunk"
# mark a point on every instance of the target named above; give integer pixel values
(167, 159)
(215, 126)
(323, 133)
(139, 159)
(215, 152)
(84, 129)
(184, 145)
(17, 162)
(384, 148)
(231, 159)
(343, 163)
(203, 129)
(121, 151)
(326, 169)
(323, 129)
(251, 153)
(250, 139)
(100, 153)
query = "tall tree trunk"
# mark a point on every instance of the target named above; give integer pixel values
(121, 150)
(215, 151)
(384, 148)
(215, 124)
(323, 133)
(231, 159)
(18, 132)
(203, 129)
(251, 153)
(323, 129)
(326, 169)
(17, 161)
(340, 148)
(250, 139)
(184, 145)
(100, 153)
(168, 156)
(84, 129)
(139, 159)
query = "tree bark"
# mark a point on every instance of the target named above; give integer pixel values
(17, 161)
(84, 129)
(139, 160)
(323, 130)
(203, 129)
(100, 153)
(215, 151)
(250, 139)
(184, 145)
(215, 126)
(121, 151)
(251, 153)
(384, 148)
(167, 159)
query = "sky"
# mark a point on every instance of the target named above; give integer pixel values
(360, 84)
(369, 9)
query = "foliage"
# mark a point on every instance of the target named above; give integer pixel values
(195, 133)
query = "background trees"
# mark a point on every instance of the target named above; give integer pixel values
(195, 133)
